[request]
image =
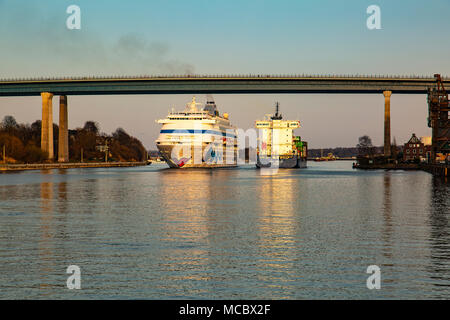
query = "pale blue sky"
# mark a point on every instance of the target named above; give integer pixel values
(229, 37)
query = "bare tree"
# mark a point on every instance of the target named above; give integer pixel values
(92, 126)
(365, 146)
(9, 123)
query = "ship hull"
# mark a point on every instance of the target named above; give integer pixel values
(283, 162)
(206, 161)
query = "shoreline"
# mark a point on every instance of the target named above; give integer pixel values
(388, 166)
(442, 170)
(69, 165)
(337, 159)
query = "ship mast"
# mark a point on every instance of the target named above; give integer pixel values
(277, 115)
(192, 106)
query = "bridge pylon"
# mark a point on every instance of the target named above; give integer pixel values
(387, 123)
(47, 124)
(47, 128)
(63, 135)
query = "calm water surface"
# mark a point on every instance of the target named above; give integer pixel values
(150, 232)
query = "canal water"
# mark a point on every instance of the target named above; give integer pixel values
(152, 232)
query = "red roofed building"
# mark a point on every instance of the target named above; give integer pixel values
(414, 149)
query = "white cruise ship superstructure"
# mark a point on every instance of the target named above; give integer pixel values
(198, 138)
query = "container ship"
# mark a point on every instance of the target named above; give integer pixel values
(277, 146)
(198, 137)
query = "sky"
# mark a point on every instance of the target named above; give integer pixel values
(229, 37)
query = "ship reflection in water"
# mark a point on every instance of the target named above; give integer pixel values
(151, 232)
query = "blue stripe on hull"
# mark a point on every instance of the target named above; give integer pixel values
(197, 132)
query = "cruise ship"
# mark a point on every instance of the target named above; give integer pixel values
(277, 146)
(198, 137)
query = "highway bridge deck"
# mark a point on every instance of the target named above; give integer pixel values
(219, 84)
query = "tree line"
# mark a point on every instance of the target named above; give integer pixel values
(22, 143)
(364, 148)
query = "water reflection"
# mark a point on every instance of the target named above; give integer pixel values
(45, 251)
(183, 196)
(278, 221)
(440, 233)
(387, 216)
(277, 197)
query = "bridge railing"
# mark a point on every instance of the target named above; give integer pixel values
(221, 76)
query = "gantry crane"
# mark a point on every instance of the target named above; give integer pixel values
(438, 112)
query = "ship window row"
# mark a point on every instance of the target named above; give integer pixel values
(187, 118)
(190, 113)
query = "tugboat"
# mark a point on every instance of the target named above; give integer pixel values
(277, 146)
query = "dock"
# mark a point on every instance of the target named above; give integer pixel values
(388, 166)
(442, 170)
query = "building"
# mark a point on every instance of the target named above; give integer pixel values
(415, 149)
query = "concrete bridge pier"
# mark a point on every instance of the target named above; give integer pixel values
(47, 127)
(387, 123)
(63, 137)
(47, 124)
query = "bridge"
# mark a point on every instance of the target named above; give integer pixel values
(196, 84)
(218, 84)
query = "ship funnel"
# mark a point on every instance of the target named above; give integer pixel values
(210, 106)
(209, 99)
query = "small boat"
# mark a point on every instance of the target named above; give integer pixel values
(330, 157)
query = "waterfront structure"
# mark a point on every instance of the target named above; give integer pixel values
(438, 120)
(415, 149)
(198, 138)
(277, 145)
